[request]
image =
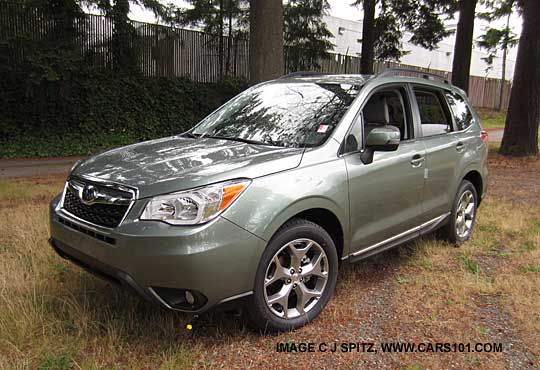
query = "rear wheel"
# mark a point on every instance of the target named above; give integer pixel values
(295, 278)
(461, 224)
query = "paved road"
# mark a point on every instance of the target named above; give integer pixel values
(495, 136)
(48, 166)
(35, 167)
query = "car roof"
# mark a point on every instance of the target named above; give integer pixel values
(355, 79)
(391, 75)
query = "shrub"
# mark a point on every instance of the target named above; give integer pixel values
(90, 111)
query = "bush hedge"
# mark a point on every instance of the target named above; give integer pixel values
(91, 111)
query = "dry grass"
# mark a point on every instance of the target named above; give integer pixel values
(54, 316)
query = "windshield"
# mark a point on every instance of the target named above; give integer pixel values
(283, 114)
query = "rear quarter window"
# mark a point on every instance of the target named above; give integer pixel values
(460, 109)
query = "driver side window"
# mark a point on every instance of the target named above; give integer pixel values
(384, 108)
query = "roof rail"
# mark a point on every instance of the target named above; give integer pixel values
(303, 74)
(425, 75)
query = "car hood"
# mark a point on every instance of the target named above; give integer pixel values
(177, 163)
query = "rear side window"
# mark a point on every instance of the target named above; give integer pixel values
(460, 110)
(435, 120)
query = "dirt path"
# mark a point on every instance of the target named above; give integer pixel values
(10, 168)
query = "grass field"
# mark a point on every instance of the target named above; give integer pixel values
(55, 316)
(491, 119)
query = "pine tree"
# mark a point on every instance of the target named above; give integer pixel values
(306, 34)
(461, 65)
(382, 35)
(498, 38)
(521, 128)
(125, 55)
(223, 19)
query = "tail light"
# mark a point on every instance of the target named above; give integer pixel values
(484, 136)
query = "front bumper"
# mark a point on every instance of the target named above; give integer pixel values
(217, 260)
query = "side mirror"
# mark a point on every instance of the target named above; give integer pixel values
(382, 139)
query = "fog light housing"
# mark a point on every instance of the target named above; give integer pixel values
(190, 299)
(181, 299)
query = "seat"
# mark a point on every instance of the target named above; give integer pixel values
(375, 113)
(396, 114)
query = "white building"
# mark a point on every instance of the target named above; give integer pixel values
(348, 40)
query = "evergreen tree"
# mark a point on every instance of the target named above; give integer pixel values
(499, 38)
(306, 34)
(124, 45)
(382, 35)
(521, 128)
(461, 64)
(218, 18)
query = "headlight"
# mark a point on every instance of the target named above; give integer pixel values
(194, 206)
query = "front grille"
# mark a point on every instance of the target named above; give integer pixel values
(86, 231)
(108, 215)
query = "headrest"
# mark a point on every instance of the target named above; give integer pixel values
(376, 111)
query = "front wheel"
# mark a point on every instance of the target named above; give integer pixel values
(460, 227)
(295, 278)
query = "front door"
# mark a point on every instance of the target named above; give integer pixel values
(385, 195)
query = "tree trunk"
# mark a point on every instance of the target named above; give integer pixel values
(505, 55)
(521, 129)
(265, 40)
(463, 47)
(220, 53)
(229, 39)
(368, 37)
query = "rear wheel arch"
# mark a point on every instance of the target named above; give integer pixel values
(476, 179)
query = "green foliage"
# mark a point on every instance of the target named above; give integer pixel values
(55, 363)
(125, 42)
(492, 118)
(423, 18)
(469, 264)
(215, 16)
(530, 269)
(388, 35)
(94, 111)
(495, 39)
(223, 20)
(306, 36)
(54, 103)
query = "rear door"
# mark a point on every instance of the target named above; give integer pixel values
(443, 150)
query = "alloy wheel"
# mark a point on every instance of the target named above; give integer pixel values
(295, 278)
(465, 214)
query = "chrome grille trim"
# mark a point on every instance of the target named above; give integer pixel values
(74, 183)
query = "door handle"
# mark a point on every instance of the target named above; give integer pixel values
(460, 146)
(417, 160)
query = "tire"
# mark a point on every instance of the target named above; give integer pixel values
(317, 274)
(454, 231)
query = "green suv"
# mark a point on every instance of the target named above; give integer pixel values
(263, 200)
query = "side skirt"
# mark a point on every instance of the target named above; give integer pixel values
(399, 239)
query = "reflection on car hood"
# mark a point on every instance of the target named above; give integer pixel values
(176, 163)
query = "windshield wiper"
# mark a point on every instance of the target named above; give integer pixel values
(242, 140)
